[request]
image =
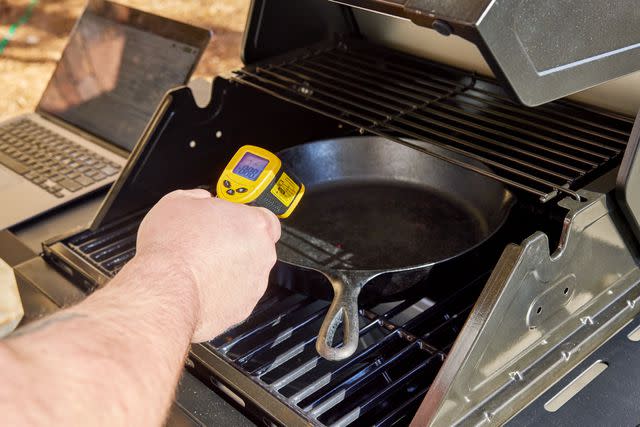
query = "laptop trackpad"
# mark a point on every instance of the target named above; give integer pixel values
(8, 178)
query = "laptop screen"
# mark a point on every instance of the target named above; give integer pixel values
(112, 76)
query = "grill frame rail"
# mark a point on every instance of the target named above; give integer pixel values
(546, 151)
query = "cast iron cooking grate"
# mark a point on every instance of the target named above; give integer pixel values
(545, 151)
(108, 248)
(402, 347)
(402, 343)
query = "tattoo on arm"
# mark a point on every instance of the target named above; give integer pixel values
(45, 323)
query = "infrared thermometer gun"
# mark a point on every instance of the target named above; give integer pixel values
(257, 177)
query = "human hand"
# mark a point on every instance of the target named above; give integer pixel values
(225, 248)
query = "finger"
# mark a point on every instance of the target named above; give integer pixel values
(196, 193)
(273, 223)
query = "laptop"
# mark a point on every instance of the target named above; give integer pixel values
(115, 69)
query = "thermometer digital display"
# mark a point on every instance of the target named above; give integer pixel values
(250, 166)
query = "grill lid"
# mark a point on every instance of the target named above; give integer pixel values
(542, 50)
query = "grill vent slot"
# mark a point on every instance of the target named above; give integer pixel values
(545, 151)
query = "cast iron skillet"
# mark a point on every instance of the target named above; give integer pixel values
(380, 214)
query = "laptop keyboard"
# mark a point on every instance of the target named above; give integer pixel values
(49, 160)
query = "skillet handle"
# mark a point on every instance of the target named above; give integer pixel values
(343, 309)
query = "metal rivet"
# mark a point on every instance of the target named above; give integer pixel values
(516, 376)
(442, 27)
(192, 144)
(219, 134)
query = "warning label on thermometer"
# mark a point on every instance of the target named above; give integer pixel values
(285, 189)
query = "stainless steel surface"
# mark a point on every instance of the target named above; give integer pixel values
(376, 210)
(550, 50)
(543, 51)
(505, 356)
(621, 95)
(628, 181)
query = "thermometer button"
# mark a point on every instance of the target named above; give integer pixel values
(231, 192)
(226, 183)
(241, 190)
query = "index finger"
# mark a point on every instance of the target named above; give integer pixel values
(273, 223)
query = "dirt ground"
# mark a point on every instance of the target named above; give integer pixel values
(29, 58)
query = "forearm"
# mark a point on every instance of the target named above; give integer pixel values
(114, 359)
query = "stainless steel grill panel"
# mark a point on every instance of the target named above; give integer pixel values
(545, 151)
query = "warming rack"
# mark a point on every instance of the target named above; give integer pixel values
(545, 151)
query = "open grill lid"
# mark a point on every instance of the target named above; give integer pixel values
(542, 50)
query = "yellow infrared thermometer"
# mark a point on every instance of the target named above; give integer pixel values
(258, 177)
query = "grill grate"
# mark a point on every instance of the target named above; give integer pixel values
(109, 248)
(545, 151)
(402, 347)
(402, 343)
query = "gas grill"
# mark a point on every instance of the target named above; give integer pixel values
(481, 341)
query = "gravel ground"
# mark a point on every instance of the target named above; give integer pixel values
(29, 59)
